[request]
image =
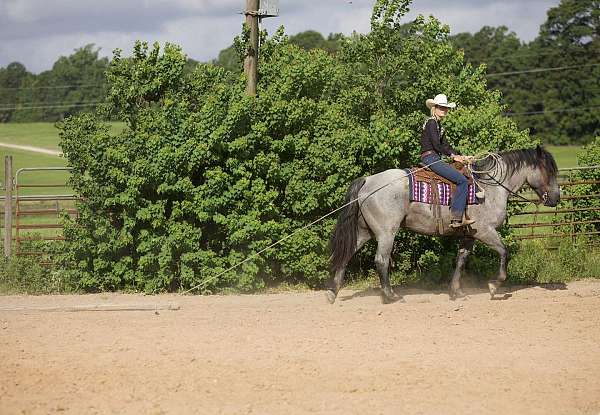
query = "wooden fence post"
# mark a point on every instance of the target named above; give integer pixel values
(8, 185)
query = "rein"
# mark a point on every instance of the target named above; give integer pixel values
(496, 157)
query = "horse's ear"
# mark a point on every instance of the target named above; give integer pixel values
(539, 150)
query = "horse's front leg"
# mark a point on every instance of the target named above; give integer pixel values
(492, 239)
(464, 249)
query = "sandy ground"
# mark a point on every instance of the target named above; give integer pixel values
(537, 352)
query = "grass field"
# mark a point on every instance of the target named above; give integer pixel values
(38, 134)
(44, 135)
(565, 156)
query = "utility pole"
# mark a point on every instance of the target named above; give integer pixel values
(251, 61)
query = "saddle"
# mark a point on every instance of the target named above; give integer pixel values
(424, 174)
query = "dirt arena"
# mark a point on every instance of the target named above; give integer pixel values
(537, 352)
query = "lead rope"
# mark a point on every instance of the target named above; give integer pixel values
(210, 279)
(496, 158)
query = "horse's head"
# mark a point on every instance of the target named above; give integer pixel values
(543, 178)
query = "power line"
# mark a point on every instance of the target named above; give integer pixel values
(510, 114)
(51, 87)
(558, 68)
(56, 103)
(508, 58)
(85, 104)
(518, 55)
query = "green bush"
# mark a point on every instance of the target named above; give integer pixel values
(589, 156)
(25, 275)
(570, 261)
(203, 176)
(35, 274)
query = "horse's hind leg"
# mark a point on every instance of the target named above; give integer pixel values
(382, 261)
(465, 247)
(338, 277)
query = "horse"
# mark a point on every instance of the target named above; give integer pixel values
(378, 206)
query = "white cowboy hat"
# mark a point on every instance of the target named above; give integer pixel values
(441, 100)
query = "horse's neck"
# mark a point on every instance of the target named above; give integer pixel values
(512, 183)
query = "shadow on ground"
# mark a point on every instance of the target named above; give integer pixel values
(505, 292)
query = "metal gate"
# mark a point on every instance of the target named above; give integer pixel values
(36, 217)
(569, 218)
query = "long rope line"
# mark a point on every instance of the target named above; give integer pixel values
(210, 279)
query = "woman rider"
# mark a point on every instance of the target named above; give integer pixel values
(433, 146)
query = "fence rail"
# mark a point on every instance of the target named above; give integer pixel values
(551, 222)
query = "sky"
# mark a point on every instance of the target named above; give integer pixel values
(37, 32)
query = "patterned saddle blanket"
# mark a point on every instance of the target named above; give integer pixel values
(422, 184)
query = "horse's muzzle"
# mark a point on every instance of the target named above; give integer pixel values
(550, 200)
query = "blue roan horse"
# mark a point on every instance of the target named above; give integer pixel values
(382, 207)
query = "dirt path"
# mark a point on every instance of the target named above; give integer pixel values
(32, 149)
(538, 352)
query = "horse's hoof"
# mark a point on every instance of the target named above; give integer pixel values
(457, 294)
(392, 298)
(493, 287)
(330, 296)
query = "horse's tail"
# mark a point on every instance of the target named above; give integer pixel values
(343, 240)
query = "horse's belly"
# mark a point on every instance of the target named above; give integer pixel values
(420, 218)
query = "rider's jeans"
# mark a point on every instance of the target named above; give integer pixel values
(458, 202)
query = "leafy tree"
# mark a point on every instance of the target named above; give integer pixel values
(11, 79)
(230, 60)
(494, 46)
(558, 106)
(83, 73)
(203, 176)
(311, 39)
(573, 23)
(308, 40)
(76, 83)
(500, 51)
(190, 66)
(569, 38)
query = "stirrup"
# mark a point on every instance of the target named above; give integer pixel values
(457, 223)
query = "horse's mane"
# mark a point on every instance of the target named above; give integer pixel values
(517, 159)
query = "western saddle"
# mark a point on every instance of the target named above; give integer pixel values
(424, 174)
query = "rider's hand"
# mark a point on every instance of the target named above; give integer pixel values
(464, 159)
